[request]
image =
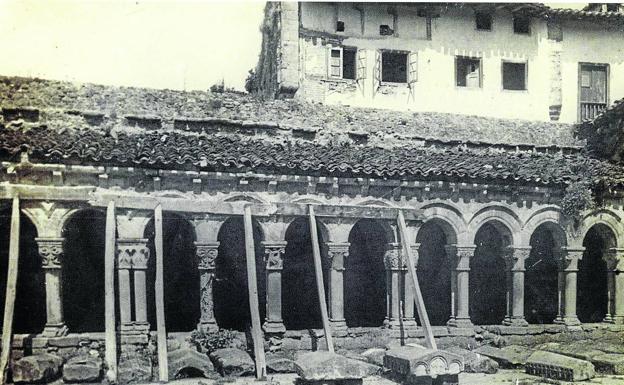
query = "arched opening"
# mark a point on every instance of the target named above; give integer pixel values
(231, 297)
(434, 271)
(189, 372)
(488, 289)
(30, 297)
(180, 274)
(83, 271)
(541, 298)
(300, 300)
(592, 294)
(364, 276)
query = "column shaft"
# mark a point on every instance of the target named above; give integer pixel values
(206, 263)
(462, 274)
(618, 312)
(274, 255)
(51, 252)
(337, 252)
(568, 265)
(132, 253)
(514, 260)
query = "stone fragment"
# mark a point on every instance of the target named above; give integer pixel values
(572, 350)
(609, 363)
(83, 368)
(475, 362)
(184, 359)
(420, 361)
(326, 366)
(374, 356)
(37, 368)
(559, 367)
(134, 369)
(232, 362)
(277, 364)
(508, 357)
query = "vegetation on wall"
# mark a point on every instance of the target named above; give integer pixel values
(578, 197)
(208, 342)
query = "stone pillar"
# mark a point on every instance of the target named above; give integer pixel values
(51, 252)
(337, 252)
(124, 265)
(133, 254)
(451, 255)
(462, 269)
(568, 268)
(274, 257)
(392, 261)
(514, 262)
(615, 284)
(206, 263)
(409, 322)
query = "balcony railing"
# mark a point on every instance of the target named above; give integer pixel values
(591, 110)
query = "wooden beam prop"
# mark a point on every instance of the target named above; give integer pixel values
(318, 269)
(9, 304)
(161, 331)
(109, 293)
(256, 331)
(420, 304)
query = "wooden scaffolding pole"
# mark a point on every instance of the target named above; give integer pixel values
(256, 331)
(318, 269)
(161, 331)
(109, 293)
(9, 304)
(420, 304)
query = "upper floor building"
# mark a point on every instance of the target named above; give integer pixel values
(518, 61)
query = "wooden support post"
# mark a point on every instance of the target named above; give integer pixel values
(318, 269)
(9, 304)
(420, 304)
(109, 293)
(161, 331)
(256, 331)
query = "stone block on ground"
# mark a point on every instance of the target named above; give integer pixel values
(452, 379)
(137, 368)
(83, 368)
(232, 362)
(374, 356)
(559, 367)
(279, 363)
(512, 356)
(181, 361)
(583, 352)
(326, 366)
(420, 361)
(475, 362)
(609, 363)
(37, 368)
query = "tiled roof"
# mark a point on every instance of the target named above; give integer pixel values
(217, 152)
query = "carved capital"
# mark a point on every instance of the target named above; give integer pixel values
(51, 252)
(392, 257)
(206, 253)
(614, 257)
(515, 257)
(132, 253)
(337, 252)
(274, 255)
(462, 257)
(569, 258)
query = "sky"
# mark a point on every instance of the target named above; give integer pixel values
(176, 44)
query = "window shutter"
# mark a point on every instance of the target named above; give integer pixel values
(377, 71)
(334, 63)
(412, 59)
(361, 64)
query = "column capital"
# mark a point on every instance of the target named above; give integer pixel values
(132, 253)
(463, 255)
(206, 253)
(515, 256)
(51, 252)
(392, 257)
(569, 258)
(337, 252)
(614, 257)
(274, 254)
(415, 250)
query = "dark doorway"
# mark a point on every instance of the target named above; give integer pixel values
(434, 273)
(592, 276)
(364, 276)
(488, 293)
(541, 299)
(180, 273)
(300, 300)
(231, 298)
(30, 300)
(83, 271)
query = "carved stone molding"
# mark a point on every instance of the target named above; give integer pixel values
(516, 256)
(463, 256)
(51, 252)
(392, 257)
(132, 253)
(206, 255)
(569, 258)
(337, 252)
(274, 254)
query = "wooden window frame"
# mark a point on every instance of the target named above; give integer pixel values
(526, 74)
(480, 59)
(579, 82)
(407, 63)
(513, 29)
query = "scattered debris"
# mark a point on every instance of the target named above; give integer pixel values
(559, 367)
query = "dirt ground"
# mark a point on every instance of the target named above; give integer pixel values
(512, 377)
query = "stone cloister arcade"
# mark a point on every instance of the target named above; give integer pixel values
(478, 264)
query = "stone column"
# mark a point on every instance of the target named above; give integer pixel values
(139, 266)
(337, 252)
(409, 322)
(51, 252)
(514, 262)
(615, 285)
(393, 264)
(124, 265)
(568, 267)
(451, 255)
(133, 254)
(462, 272)
(206, 263)
(274, 257)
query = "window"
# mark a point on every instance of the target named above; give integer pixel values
(342, 62)
(593, 89)
(484, 21)
(340, 26)
(467, 72)
(385, 30)
(394, 67)
(521, 24)
(514, 76)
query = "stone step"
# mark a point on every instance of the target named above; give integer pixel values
(559, 367)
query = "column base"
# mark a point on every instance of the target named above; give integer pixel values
(570, 322)
(608, 319)
(338, 327)
(516, 322)
(618, 319)
(55, 330)
(274, 327)
(460, 323)
(207, 326)
(410, 324)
